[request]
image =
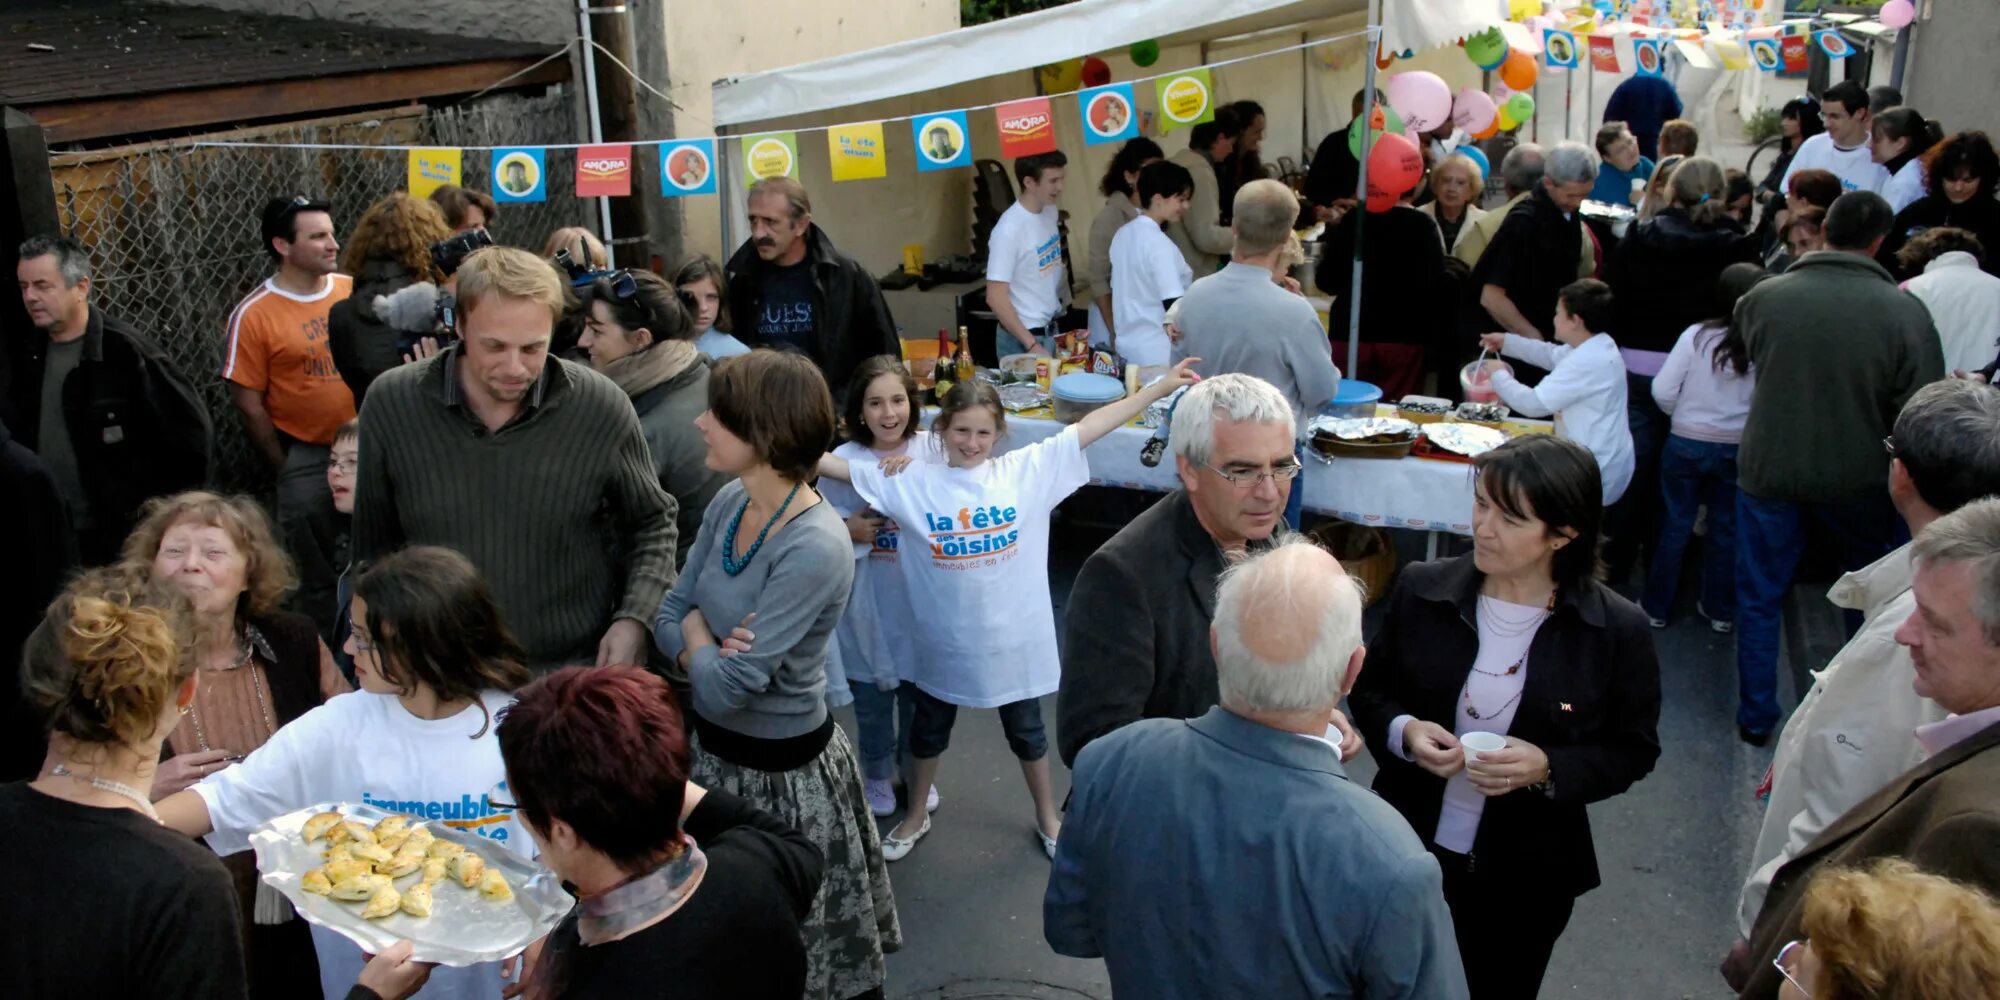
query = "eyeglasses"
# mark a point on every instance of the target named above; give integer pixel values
(344, 466)
(1787, 960)
(300, 201)
(1889, 445)
(360, 640)
(1283, 472)
(623, 285)
(501, 798)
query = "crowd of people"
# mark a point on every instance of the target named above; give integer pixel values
(583, 558)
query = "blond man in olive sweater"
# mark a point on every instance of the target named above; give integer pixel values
(535, 468)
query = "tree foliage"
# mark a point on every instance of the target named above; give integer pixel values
(971, 12)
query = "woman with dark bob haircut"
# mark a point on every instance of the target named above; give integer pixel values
(750, 624)
(1521, 644)
(681, 892)
(1960, 177)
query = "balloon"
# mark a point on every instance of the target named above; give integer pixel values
(1503, 123)
(1518, 72)
(1521, 107)
(1476, 155)
(1380, 200)
(1473, 110)
(1897, 14)
(1423, 99)
(1488, 49)
(1395, 164)
(1145, 53)
(1096, 72)
(1386, 120)
(1489, 131)
(1383, 59)
(1062, 77)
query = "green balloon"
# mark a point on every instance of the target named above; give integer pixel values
(1393, 120)
(1487, 49)
(1145, 53)
(1521, 107)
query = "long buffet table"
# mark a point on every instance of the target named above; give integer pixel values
(1420, 494)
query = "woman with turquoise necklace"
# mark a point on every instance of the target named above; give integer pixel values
(751, 622)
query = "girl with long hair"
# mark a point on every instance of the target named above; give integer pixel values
(1898, 139)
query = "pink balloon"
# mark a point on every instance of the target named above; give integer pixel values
(1423, 99)
(1897, 14)
(1473, 111)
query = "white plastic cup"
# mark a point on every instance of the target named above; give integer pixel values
(1477, 743)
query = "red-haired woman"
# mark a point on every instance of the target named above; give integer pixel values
(681, 892)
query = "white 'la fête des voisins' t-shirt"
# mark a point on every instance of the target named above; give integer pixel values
(1025, 251)
(1147, 269)
(974, 553)
(876, 635)
(366, 748)
(1855, 167)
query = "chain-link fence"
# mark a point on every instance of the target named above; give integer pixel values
(174, 229)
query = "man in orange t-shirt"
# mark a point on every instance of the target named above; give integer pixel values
(280, 371)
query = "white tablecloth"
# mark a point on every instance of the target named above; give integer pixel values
(1420, 494)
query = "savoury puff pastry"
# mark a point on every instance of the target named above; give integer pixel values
(390, 826)
(494, 887)
(417, 900)
(434, 870)
(339, 851)
(467, 867)
(360, 887)
(395, 841)
(341, 870)
(416, 839)
(374, 854)
(319, 825)
(385, 901)
(316, 882)
(351, 830)
(444, 849)
(401, 865)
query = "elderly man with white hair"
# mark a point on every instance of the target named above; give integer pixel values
(1135, 630)
(1229, 855)
(1535, 251)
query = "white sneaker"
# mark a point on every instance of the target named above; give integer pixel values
(931, 801)
(896, 848)
(881, 795)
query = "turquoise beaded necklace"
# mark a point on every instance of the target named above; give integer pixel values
(732, 565)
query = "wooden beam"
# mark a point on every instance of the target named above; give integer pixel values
(208, 106)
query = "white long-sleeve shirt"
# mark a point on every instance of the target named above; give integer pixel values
(1905, 185)
(1965, 307)
(1585, 389)
(1707, 405)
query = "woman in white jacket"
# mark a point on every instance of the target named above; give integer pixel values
(1963, 299)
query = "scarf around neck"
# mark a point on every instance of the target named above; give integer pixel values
(619, 911)
(641, 370)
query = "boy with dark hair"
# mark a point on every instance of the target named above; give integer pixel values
(1843, 147)
(1147, 270)
(1585, 387)
(1025, 283)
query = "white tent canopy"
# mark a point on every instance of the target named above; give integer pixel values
(1068, 32)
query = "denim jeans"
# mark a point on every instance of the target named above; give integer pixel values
(1295, 504)
(882, 722)
(1693, 473)
(1631, 524)
(1770, 535)
(930, 731)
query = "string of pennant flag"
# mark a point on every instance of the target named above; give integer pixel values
(1109, 113)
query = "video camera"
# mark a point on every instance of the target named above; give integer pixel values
(449, 253)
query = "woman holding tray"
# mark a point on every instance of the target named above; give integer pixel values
(436, 666)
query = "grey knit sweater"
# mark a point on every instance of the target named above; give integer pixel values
(561, 509)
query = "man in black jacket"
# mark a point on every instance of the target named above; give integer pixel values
(100, 402)
(1136, 630)
(40, 559)
(790, 289)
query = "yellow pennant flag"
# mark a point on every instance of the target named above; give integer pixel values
(856, 152)
(431, 169)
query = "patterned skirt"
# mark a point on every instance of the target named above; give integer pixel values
(852, 922)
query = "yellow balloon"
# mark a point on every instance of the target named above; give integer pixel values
(1062, 77)
(1505, 121)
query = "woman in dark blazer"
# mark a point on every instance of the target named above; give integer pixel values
(1518, 639)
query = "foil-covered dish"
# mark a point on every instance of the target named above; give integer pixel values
(1364, 430)
(1157, 413)
(483, 904)
(1483, 413)
(1021, 396)
(1464, 439)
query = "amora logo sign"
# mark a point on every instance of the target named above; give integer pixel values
(975, 533)
(1025, 124)
(605, 166)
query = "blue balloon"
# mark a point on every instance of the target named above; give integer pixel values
(1473, 153)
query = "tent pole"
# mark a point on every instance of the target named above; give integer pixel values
(1569, 81)
(1361, 190)
(596, 114)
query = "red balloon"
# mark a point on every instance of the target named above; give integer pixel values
(1096, 73)
(1380, 200)
(1395, 164)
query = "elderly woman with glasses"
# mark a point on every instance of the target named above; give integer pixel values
(640, 332)
(1893, 931)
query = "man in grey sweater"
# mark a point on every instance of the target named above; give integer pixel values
(1240, 320)
(535, 468)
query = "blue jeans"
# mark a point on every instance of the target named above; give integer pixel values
(1295, 504)
(1693, 473)
(930, 730)
(1632, 522)
(1770, 537)
(882, 721)
(1005, 343)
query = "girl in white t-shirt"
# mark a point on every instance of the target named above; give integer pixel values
(874, 635)
(974, 553)
(1148, 272)
(435, 665)
(1898, 139)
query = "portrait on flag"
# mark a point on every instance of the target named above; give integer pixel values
(941, 141)
(687, 166)
(520, 175)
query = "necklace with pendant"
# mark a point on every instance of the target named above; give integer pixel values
(114, 787)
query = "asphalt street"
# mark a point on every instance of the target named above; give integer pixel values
(1672, 850)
